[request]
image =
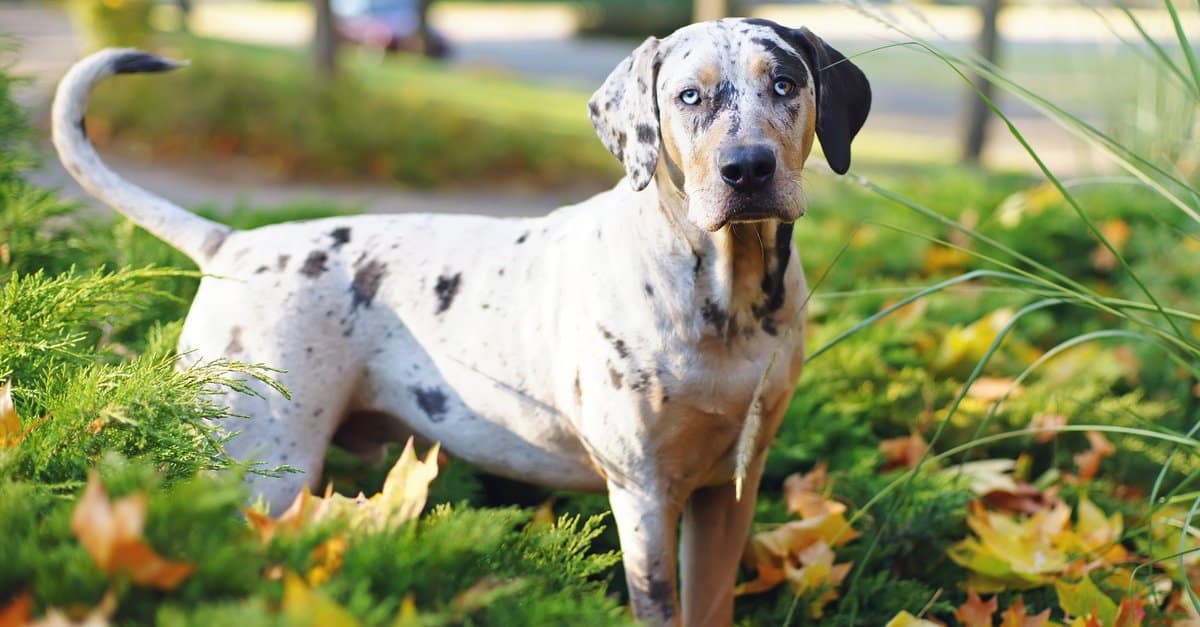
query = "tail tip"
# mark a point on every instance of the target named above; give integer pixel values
(137, 62)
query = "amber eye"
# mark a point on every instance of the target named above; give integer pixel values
(689, 97)
(784, 87)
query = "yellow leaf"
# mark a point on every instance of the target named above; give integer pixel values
(10, 423)
(904, 619)
(304, 606)
(991, 389)
(407, 485)
(111, 533)
(328, 558)
(543, 516)
(407, 616)
(404, 493)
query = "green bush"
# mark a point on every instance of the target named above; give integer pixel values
(124, 23)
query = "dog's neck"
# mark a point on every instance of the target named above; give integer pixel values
(739, 270)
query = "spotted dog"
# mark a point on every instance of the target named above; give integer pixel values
(645, 341)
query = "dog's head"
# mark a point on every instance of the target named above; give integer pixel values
(727, 111)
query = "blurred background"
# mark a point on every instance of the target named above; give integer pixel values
(484, 101)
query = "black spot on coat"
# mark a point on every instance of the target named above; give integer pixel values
(446, 289)
(314, 264)
(617, 343)
(713, 315)
(432, 401)
(615, 377)
(340, 235)
(366, 283)
(234, 346)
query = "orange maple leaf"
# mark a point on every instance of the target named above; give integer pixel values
(1016, 616)
(1089, 460)
(111, 533)
(976, 613)
(902, 452)
(16, 613)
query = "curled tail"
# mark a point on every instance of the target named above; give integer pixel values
(192, 235)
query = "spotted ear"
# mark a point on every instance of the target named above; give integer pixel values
(843, 98)
(625, 113)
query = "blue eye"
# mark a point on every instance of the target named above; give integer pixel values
(689, 97)
(784, 87)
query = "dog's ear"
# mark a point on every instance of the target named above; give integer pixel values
(625, 113)
(843, 98)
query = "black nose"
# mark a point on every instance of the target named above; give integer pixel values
(747, 168)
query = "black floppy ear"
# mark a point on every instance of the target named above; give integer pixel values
(843, 98)
(625, 113)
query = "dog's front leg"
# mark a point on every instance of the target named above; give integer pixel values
(646, 521)
(714, 530)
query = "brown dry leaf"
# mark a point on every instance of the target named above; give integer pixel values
(10, 423)
(992, 389)
(1023, 499)
(976, 613)
(814, 570)
(1016, 616)
(1049, 422)
(16, 613)
(799, 490)
(1089, 460)
(902, 452)
(111, 532)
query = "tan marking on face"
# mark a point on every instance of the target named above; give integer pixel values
(708, 74)
(671, 146)
(701, 166)
(759, 66)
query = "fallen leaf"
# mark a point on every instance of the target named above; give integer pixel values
(328, 558)
(799, 551)
(111, 533)
(902, 452)
(1131, 612)
(976, 613)
(964, 346)
(404, 493)
(1049, 422)
(1023, 499)
(991, 389)
(1015, 615)
(1083, 599)
(1089, 460)
(543, 516)
(304, 606)
(904, 619)
(10, 423)
(16, 613)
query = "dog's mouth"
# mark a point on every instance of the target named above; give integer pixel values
(760, 207)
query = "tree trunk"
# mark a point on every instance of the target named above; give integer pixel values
(978, 112)
(704, 10)
(423, 27)
(325, 42)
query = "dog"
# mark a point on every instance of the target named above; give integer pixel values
(646, 341)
